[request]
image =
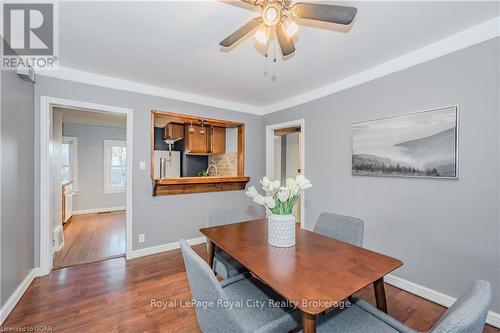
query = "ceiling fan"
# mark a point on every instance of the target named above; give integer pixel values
(278, 15)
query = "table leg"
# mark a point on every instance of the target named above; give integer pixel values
(380, 294)
(211, 252)
(308, 323)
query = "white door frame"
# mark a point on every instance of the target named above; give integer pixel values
(46, 105)
(270, 155)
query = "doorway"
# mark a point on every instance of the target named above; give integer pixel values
(89, 152)
(285, 157)
(86, 182)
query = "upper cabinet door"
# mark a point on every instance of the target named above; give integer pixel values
(196, 143)
(173, 131)
(217, 140)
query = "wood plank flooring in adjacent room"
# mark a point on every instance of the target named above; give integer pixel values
(116, 295)
(92, 237)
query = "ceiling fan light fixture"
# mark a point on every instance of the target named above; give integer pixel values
(291, 28)
(271, 14)
(261, 34)
(278, 16)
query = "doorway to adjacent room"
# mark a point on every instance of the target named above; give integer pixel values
(86, 182)
(285, 156)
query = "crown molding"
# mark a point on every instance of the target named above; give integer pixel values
(469, 37)
(75, 75)
(461, 40)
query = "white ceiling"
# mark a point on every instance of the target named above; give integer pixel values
(174, 45)
(93, 118)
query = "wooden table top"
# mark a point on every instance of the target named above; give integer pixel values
(315, 273)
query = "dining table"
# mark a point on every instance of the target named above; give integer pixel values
(316, 275)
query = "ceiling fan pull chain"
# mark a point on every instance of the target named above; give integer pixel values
(274, 51)
(273, 77)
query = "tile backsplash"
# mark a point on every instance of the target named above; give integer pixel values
(225, 163)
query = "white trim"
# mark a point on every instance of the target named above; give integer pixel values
(106, 191)
(434, 296)
(45, 200)
(16, 296)
(46, 105)
(98, 210)
(58, 246)
(73, 141)
(164, 247)
(270, 156)
(493, 319)
(472, 36)
(107, 188)
(461, 40)
(70, 74)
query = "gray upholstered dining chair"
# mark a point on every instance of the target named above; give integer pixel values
(344, 228)
(218, 316)
(467, 315)
(225, 265)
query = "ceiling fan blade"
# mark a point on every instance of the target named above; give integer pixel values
(241, 32)
(286, 44)
(326, 13)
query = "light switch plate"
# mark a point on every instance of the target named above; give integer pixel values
(142, 165)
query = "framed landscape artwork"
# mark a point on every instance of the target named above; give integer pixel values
(421, 144)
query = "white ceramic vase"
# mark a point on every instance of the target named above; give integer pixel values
(281, 230)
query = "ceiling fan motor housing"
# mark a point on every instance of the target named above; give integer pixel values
(271, 14)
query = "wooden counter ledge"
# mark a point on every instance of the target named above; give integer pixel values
(186, 185)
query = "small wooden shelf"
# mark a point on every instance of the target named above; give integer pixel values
(185, 185)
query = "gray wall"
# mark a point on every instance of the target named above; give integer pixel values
(91, 166)
(445, 231)
(168, 218)
(17, 144)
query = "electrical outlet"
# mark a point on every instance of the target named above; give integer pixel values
(142, 238)
(142, 165)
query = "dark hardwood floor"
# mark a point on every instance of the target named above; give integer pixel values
(92, 237)
(115, 296)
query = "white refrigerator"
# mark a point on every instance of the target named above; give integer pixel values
(173, 163)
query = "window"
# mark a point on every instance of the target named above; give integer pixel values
(115, 166)
(69, 160)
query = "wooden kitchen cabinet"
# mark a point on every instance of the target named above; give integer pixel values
(217, 140)
(173, 131)
(213, 141)
(196, 143)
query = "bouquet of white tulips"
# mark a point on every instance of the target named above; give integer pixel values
(280, 200)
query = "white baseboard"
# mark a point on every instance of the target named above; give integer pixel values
(164, 247)
(434, 296)
(16, 296)
(97, 210)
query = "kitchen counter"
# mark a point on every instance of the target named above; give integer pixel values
(185, 185)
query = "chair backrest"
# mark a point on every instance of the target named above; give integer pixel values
(468, 313)
(344, 228)
(206, 288)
